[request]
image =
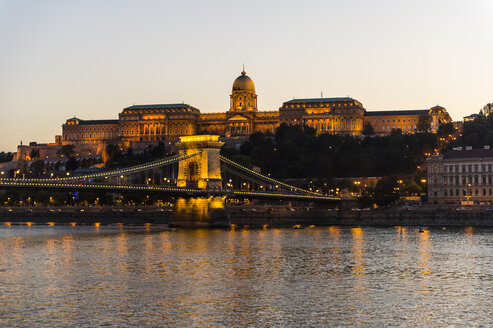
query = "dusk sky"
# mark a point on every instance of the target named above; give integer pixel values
(91, 59)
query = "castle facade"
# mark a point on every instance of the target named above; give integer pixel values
(140, 124)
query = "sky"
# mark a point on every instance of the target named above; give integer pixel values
(91, 59)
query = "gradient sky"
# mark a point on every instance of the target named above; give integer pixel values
(91, 59)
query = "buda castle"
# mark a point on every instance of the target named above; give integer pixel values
(144, 124)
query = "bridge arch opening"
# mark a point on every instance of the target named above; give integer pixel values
(193, 174)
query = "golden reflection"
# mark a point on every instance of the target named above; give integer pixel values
(401, 233)
(165, 249)
(334, 231)
(68, 243)
(148, 243)
(29, 224)
(359, 263)
(8, 224)
(17, 249)
(165, 242)
(121, 243)
(51, 224)
(424, 252)
(51, 246)
(197, 211)
(73, 224)
(97, 224)
(335, 250)
(148, 252)
(469, 235)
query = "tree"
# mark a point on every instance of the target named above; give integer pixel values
(114, 154)
(368, 129)
(385, 192)
(396, 132)
(34, 154)
(424, 123)
(66, 150)
(487, 109)
(5, 157)
(242, 160)
(37, 168)
(446, 129)
(158, 151)
(72, 164)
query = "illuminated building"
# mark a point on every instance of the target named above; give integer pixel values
(461, 175)
(326, 115)
(383, 122)
(140, 125)
(471, 117)
(243, 117)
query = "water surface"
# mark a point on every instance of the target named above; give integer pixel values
(320, 277)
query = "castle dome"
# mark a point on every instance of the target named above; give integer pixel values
(243, 83)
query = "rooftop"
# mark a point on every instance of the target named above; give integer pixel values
(316, 100)
(472, 153)
(159, 106)
(97, 122)
(397, 112)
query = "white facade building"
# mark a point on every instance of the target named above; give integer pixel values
(461, 175)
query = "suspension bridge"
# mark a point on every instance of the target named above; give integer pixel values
(201, 171)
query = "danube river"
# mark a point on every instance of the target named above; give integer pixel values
(320, 277)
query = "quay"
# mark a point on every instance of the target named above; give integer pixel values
(254, 216)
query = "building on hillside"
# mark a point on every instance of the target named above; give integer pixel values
(326, 115)
(146, 123)
(140, 125)
(471, 117)
(461, 175)
(383, 122)
(348, 116)
(243, 117)
(76, 131)
(45, 150)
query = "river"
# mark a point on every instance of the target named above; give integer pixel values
(320, 277)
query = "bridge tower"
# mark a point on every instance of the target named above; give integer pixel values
(204, 170)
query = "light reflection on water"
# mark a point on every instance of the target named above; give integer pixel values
(335, 276)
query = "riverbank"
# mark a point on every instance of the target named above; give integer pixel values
(253, 217)
(86, 215)
(431, 217)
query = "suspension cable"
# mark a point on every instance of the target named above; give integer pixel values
(228, 161)
(131, 169)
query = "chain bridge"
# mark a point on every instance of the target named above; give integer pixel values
(201, 171)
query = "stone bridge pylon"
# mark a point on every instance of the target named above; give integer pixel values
(203, 170)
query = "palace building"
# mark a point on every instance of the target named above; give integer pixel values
(140, 125)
